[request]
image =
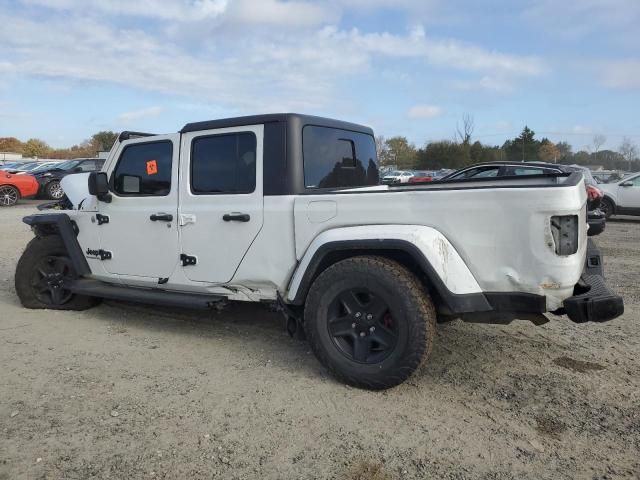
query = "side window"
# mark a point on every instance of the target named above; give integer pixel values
(224, 163)
(88, 166)
(480, 172)
(335, 158)
(529, 171)
(636, 181)
(144, 169)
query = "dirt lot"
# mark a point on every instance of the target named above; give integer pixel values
(127, 391)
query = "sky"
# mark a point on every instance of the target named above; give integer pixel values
(568, 69)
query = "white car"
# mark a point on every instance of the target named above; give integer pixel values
(621, 197)
(397, 176)
(287, 208)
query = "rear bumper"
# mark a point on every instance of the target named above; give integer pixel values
(597, 222)
(593, 301)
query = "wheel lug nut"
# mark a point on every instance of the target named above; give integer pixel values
(362, 334)
(353, 325)
(369, 316)
(372, 329)
(358, 314)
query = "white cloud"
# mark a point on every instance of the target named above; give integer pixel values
(425, 111)
(136, 115)
(620, 74)
(213, 50)
(582, 130)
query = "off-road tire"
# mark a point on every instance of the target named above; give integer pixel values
(38, 250)
(408, 303)
(51, 188)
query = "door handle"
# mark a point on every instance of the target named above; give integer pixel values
(236, 217)
(162, 217)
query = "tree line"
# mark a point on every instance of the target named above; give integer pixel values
(398, 152)
(36, 148)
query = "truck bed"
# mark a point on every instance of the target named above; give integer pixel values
(500, 227)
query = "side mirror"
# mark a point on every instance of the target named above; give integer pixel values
(99, 186)
(627, 184)
(77, 170)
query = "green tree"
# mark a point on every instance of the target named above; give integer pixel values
(401, 153)
(10, 145)
(104, 140)
(564, 150)
(35, 147)
(522, 148)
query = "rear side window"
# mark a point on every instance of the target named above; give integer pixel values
(481, 172)
(530, 171)
(144, 169)
(335, 158)
(224, 164)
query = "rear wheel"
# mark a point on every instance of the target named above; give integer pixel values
(54, 190)
(607, 207)
(9, 195)
(369, 321)
(43, 275)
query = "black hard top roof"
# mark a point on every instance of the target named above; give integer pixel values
(274, 117)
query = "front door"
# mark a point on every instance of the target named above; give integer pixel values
(629, 197)
(141, 231)
(221, 202)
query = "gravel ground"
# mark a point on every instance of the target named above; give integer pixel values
(126, 391)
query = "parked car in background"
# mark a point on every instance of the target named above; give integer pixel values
(622, 197)
(31, 167)
(421, 177)
(49, 179)
(596, 217)
(397, 176)
(608, 176)
(15, 187)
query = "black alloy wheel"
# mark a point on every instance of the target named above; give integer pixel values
(362, 326)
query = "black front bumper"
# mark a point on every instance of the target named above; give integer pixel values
(593, 301)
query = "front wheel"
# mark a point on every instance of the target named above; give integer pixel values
(54, 190)
(8, 195)
(43, 275)
(369, 321)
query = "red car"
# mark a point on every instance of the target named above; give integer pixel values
(421, 177)
(14, 187)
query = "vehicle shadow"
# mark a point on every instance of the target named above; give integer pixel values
(459, 348)
(624, 219)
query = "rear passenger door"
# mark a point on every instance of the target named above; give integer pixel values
(221, 202)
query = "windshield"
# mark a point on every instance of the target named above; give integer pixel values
(30, 167)
(68, 165)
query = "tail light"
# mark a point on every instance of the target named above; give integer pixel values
(594, 193)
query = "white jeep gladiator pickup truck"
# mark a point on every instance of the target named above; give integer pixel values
(289, 208)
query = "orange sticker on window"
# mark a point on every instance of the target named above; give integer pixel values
(152, 167)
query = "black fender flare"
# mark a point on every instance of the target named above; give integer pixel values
(60, 224)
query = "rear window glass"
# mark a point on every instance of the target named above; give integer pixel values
(335, 158)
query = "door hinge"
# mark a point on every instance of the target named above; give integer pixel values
(102, 218)
(188, 260)
(186, 219)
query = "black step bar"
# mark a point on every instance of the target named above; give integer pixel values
(96, 288)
